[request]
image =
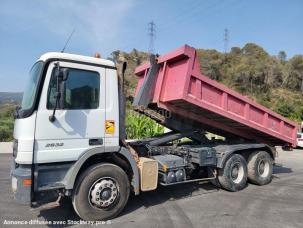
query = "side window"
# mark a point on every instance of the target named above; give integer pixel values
(82, 90)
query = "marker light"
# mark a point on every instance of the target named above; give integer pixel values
(27, 182)
(97, 55)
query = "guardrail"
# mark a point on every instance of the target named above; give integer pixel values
(6, 147)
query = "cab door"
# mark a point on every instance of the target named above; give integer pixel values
(79, 125)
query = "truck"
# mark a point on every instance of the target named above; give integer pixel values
(70, 139)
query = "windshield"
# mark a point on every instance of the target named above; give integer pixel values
(31, 88)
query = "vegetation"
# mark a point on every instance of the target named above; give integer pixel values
(139, 126)
(6, 122)
(273, 81)
(10, 97)
(133, 59)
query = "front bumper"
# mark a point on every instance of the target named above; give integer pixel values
(21, 186)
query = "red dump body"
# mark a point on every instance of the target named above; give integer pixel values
(181, 89)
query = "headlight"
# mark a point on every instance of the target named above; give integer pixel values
(15, 148)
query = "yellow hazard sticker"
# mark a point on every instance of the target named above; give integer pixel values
(109, 127)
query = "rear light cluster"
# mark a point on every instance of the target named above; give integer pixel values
(15, 148)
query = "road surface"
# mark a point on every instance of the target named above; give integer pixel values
(279, 204)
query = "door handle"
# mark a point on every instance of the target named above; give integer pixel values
(95, 141)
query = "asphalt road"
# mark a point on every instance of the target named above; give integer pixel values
(279, 204)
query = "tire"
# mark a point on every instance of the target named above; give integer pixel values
(233, 176)
(103, 180)
(260, 168)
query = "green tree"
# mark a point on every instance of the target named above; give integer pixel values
(285, 109)
(294, 73)
(235, 51)
(282, 56)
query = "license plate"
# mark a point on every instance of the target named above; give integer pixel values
(14, 184)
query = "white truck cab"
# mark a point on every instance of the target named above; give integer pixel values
(90, 99)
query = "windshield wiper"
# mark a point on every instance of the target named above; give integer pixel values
(52, 117)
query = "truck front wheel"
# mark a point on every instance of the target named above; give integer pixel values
(260, 167)
(233, 176)
(101, 192)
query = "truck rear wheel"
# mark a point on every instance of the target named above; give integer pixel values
(260, 167)
(101, 192)
(233, 176)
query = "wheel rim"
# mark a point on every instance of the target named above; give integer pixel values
(263, 168)
(237, 172)
(103, 193)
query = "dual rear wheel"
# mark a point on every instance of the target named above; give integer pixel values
(236, 171)
(102, 190)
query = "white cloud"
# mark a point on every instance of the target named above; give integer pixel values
(99, 20)
(96, 22)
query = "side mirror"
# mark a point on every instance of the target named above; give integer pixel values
(61, 75)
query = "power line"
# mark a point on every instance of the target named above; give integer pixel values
(181, 15)
(194, 16)
(152, 36)
(193, 13)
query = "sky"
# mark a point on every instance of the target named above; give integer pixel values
(29, 28)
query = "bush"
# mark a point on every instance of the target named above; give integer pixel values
(6, 123)
(139, 126)
(285, 109)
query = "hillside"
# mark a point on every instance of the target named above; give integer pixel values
(10, 98)
(133, 59)
(273, 81)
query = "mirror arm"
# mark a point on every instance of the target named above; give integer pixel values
(52, 117)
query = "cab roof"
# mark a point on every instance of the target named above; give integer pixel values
(74, 57)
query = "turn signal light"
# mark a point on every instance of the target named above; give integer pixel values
(27, 182)
(97, 55)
